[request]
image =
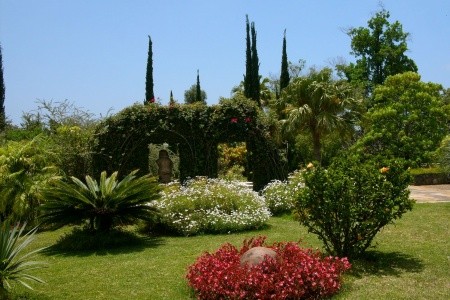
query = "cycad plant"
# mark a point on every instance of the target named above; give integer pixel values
(103, 205)
(14, 267)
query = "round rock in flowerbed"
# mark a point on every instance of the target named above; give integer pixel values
(255, 255)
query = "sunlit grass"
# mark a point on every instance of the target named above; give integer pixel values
(410, 261)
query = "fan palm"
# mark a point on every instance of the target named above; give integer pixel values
(13, 267)
(320, 105)
(104, 205)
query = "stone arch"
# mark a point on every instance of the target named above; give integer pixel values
(196, 130)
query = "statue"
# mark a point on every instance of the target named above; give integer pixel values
(165, 166)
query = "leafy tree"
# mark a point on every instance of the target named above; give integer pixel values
(380, 52)
(149, 95)
(319, 105)
(284, 77)
(14, 267)
(104, 205)
(2, 95)
(407, 120)
(190, 95)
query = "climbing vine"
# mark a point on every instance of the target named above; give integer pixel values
(194, 131)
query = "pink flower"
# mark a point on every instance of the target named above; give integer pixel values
(152, 100)
(248, 120)
(234, 120)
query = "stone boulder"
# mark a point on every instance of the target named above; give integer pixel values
(255, 255)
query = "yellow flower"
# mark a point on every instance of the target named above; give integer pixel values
(384, 170)
(310, 166)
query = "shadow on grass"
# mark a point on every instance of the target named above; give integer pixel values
(388, 264)
(81, 242)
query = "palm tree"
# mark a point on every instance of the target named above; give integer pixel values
(320, 105)
(14, 267)
(104, 205)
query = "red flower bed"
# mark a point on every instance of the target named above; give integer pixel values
(296, 273)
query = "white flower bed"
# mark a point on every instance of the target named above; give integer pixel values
(211, 205)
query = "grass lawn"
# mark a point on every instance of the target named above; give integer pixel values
(411, 260)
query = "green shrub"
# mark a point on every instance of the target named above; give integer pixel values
(348, 203)
(211, 206)
(280, 196)
(103, 204)
(13, 265)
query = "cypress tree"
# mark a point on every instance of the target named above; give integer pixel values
(248, 63)
(284, 77)
(171, 101)
(2, 95)
(149, 95)
(198, 93)
(255, 68)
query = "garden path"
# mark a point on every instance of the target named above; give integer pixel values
(430, 193)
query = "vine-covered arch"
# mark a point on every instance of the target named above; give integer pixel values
(195, 130)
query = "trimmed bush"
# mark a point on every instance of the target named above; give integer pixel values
(210, 206)
(280, 196)
(295, 273)
(347, 204)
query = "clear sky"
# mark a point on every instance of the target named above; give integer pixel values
(94, 52)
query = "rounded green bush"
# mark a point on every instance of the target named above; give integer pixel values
(211, 206)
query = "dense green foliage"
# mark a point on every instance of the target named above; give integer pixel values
(319, 105)
(25, 168)
(104, 204)
(210, 206)
(407, 120)
(191, 95)
(194, 132)
(14, 264)
(380, 52)
(347, 204)
(149, 95)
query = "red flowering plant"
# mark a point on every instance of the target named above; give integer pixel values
(295, 273)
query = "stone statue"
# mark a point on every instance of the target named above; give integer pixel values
(165, 166)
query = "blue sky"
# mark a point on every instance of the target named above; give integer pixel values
(94, 52)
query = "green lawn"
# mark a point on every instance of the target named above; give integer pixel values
(411, 261)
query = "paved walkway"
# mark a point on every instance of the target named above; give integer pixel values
(430, 193)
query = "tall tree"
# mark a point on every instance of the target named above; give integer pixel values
(2, 95)
(248, 62)
(198, 93)
(380, 52)
(251, 77)
(284, 77)
(255, 68)
(320, 105)
(149, 95)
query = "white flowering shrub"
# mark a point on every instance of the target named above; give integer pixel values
(211, 206)
(280, 195)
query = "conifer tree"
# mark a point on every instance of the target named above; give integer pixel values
(255, 68)
(284, 76)
(149, 95)
(248, 63)
(2, 95)
(251, 77)
(198, 93)
(171, 101)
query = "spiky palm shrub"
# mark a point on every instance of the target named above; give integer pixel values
(14, 267)
(104, 205)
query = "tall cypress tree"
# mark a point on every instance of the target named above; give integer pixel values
(149, 95)
(198, 93)
(2, 95)
(255, 68)
(248, 63)
(284, 77)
